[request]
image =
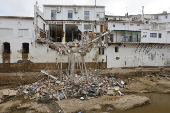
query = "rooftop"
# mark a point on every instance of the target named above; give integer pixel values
(92, 6)
(17, 17)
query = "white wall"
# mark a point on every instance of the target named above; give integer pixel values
(127, 26)
(149, 39)
(63, 15)
(134, 56)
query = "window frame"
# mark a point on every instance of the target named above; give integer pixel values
(153, 35)
(86, 15)
(53, 14)
(159, 35)
(70, 15)
(116, 49)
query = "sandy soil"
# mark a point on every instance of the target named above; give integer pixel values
(121, 103)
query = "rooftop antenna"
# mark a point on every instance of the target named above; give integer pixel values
(95, 3)
(142, 13)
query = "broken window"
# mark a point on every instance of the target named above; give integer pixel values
(154, 35)
(116, 49)
(6, 48)
(25, 47)
(86, 15)
(53, 14)
(160, 35)
(70, 14)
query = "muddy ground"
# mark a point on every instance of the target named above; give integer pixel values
(139, 80)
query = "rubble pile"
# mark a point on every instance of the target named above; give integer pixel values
(56, 88)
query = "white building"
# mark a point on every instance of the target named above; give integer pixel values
(64, 23)
(138, 40)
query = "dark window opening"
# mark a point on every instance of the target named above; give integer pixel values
(6, 48)
(116, 49)
(113, 25)
(111, 37)
(25, 47)
(160, 35)
(147, 22)
(101, 51)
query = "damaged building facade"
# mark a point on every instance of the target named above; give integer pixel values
(138, 40)
(84, 34)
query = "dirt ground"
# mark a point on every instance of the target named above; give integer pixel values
(139, 80)
(120, 103)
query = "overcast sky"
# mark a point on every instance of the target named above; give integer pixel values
(113, 7)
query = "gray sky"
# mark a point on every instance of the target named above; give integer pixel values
(113, 7)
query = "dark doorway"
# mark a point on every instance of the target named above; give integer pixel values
(6, 48)
(25, 51)
(6, 52)
(25, 47)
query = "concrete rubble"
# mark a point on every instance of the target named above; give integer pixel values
(83, 46)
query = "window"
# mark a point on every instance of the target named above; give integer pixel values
(154, 35)
(131, 24)
(144, 34)
(166, 16)
(114, 18)
(86, 15)
(113, 25)
(120, 18)
(123, 23)
(116, 49)
(101, 51)
(6, 32)
(87, 27)
(160, 35)
(147, 22)
(23, 32)
(138, 24)
(155, 17)
(53, 14)
(111, 37)
(70, 14)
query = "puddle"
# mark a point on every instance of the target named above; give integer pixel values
(160, 104)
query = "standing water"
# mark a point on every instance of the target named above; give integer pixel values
(160, 103)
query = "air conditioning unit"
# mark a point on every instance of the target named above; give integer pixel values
(98, 15)
(75, 10)
(58, 9)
